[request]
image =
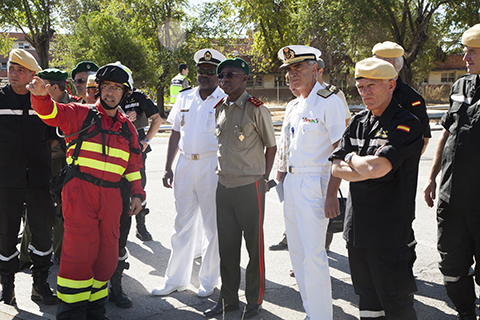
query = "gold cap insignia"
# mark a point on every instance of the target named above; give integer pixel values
(288, 53)
(207, 56)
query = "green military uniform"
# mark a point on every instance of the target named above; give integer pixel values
(244, 129)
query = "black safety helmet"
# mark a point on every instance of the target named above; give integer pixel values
(118, 73)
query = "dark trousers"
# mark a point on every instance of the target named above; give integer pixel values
(458, 244)
(40, 214)
(241, 210)
(383, 279)
(125, 221)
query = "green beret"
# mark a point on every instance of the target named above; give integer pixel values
(237, 63)
(84, 66)
(53, 74)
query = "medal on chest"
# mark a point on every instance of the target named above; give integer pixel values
(241, 136)
(183, 120)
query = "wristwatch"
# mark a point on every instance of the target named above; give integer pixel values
(348, 157)
(146, 140)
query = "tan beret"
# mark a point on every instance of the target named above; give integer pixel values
(388, 49)
(373, 68)
(471, 37)
(91, 83)
(25, 59)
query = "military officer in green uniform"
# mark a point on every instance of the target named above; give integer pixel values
(246, 150)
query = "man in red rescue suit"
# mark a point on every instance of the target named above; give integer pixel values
(92, 202)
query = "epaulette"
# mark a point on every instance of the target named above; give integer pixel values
(331, 87)
(218, 103)
(188, 88)
(324, 93)
(256, 102)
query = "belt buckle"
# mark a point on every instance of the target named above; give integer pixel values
(195, 156)
(290, 169)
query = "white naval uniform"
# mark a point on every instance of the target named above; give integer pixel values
(310, 128)
(194, 188)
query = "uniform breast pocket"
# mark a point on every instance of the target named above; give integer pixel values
(244, 135)
(308, 132)
(209, 123)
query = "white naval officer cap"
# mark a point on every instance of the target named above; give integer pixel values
(297, 53)
(210, 56)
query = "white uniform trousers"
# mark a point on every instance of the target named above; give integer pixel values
(304, 211)
(194, 188)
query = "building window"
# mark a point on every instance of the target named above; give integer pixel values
(255, 81)
(448, 77)
(3, 66)
(23, 45)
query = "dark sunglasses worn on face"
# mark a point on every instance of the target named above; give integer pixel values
(208, 72)
(80, 81)
(228, 75)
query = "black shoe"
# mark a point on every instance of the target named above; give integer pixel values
(251, 310)
(218, 309)
(8, 289)
(116, 293)
(279, 246)
(467, 317)
(41, 289)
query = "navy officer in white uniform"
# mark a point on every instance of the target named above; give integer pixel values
(313, 125)
(195, 180)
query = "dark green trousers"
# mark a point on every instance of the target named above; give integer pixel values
(240, 211)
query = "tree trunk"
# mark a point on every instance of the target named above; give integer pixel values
(161, 100)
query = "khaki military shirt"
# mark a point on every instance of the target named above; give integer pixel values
(244, 128)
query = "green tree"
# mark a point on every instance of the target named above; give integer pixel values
(6, 44)
(103, 38)
(35, 18)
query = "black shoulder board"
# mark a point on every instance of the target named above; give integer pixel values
(324, 93)
(188, 88)
(332, 88)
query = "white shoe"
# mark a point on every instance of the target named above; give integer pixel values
(205, 291)
(167, 289)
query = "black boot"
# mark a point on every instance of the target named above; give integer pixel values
(72, 311)
(8, 292)
(142, 232)
(116, 293)
(41, 289)
(96, 310)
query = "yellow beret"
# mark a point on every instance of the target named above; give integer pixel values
(471, 37)
(25, 59)
(388, 49)
(373, 68)
(91, 83)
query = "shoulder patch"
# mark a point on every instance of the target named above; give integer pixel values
(324, 93)
(188, 88)
(416, 103)
(219, 102)
(403, 128)
(256, 102)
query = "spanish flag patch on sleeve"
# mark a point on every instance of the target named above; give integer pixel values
(416, 103)
(403, 128)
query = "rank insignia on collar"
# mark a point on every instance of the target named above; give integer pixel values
(288, 53)
(207, 56)
(324, 93)
(381, 134)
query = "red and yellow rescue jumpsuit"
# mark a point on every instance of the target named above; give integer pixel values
(91, 213)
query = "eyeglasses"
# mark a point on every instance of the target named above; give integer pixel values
(79, 81)
(227, 75)
(112, 88)
(208, 72)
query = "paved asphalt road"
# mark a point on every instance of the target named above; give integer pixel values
(282, 300)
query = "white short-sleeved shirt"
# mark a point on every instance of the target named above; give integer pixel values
(311, 126)
(194, 118)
